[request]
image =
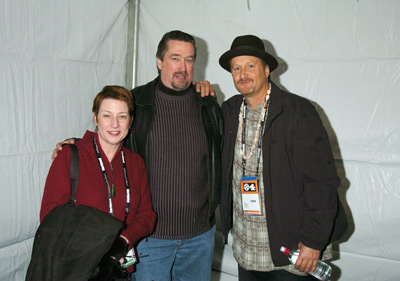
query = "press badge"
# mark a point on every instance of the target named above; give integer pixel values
(250, 196)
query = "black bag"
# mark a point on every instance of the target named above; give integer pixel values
(71, 240)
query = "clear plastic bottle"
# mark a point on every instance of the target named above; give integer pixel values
(323, 270)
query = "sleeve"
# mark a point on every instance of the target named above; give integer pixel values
(314, 159)
(220, 119)
(57, 189)
(141, 218)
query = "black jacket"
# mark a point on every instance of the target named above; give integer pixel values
(211, 118)
(300, 179)
(70, 242)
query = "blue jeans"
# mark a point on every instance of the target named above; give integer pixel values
(178, 260)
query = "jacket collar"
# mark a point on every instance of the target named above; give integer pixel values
(276, 105)
(149, 89)
(103, 154)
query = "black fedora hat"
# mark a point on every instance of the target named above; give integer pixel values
(247, 45)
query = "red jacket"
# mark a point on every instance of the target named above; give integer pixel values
(92, 189)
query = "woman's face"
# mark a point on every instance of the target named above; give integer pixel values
(113, 122)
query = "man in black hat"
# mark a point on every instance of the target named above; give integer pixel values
(279, 178)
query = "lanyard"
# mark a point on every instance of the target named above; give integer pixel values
(103, 171)
(264, 116)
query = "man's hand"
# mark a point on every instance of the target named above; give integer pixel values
(308, 259)
(204, 88)
(59, 147)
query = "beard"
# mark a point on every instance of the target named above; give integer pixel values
(246, 89)
(181, 85)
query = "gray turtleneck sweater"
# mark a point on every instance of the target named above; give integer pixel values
(178, 171)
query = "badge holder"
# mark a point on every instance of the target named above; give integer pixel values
(250, 196)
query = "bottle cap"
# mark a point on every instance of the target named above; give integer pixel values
(285, 250)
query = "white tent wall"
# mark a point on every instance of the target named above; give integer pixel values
(342, 55)
(54, 57)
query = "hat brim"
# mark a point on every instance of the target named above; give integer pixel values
(225, 59)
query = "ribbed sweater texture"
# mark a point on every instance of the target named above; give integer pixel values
(178, 167)
(92, 189)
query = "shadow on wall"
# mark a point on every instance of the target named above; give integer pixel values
(201, 59)
(201, 64)
(345, 184)
(343, 188)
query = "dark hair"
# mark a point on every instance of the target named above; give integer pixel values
(264, 64)
(174, 35)
(116, 93)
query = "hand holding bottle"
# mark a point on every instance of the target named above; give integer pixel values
(322, 270)
(308, 259)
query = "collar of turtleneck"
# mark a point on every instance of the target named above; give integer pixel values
(170, 91)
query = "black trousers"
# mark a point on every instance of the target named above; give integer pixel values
(276, 275)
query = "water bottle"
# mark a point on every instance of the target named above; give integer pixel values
(323, 270)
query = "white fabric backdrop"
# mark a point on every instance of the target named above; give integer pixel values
(54, 57)
(343, 55)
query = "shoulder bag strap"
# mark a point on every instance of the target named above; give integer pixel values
(74, 172)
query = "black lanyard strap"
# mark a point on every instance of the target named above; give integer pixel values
(109, 192)
(128, 191)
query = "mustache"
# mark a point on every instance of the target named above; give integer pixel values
(245, 80)
(181, 73)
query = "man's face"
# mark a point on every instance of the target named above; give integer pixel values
(249, 75)
(177, 66)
